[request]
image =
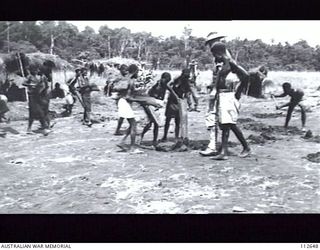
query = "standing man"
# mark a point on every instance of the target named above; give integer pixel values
(157, 91)
(37, 84)
(110, 86)
(193, 85)
(228, 101)
(101, 69)
(211, 116)
(124, 88)
(85, 89)
(179, 89)
(72, 96)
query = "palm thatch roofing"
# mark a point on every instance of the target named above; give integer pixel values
(9, 63)
(40, 58)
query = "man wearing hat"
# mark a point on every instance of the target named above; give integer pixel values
(193, 76)
(227, 102)
(84, 88)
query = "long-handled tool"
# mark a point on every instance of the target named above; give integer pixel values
(275, 102)
(22, 74)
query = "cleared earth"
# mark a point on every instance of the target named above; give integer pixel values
(77, 169)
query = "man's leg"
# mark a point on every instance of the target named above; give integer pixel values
(132, 123)
(238, 133)
(84, 115)
(30, 122)
(303, 116)
(195, 98)
(196, 101)
(211, 150)
(120, 121)
(189, 101)
(122, 143)
(224, 143)
(290, 110)
(88, 121)
(44, 125)
(155, 133)
(48, 121)
(166, 129)
(211, 123)
(177, 126)
(149, 124)
(145, 130)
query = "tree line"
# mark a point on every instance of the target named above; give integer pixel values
(65, 40)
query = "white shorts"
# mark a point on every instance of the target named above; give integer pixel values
(124, 109)
(228, 108)
(3, 98)
(69, 99)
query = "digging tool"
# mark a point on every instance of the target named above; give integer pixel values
(79, 98)
(22, 73)
(274, 99)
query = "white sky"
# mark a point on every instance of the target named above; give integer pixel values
(280, 31)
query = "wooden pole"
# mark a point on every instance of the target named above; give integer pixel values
(8, 36)
(23, 75)
(183, 112)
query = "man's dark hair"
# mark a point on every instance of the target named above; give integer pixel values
(286, 85)
(133, 69)
(218, 48)
(166, 75)
(186, 71)
(123, 67)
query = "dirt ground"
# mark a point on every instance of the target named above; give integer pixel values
(77, 169)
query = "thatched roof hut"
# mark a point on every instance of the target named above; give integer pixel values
(58, 63)
(9, 63)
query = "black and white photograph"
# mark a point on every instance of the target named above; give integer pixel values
(159, 117)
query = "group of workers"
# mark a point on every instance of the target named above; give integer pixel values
(223, 105)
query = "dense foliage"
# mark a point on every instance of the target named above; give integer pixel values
(64, 39)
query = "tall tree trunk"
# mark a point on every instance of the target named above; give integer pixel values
(122, 47)
(147, 51)
(8, 36)
(139, 51)
(51, 44)
(109, 47)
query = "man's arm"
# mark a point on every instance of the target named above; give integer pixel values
(282, 106)
(172, 91)
(282, 95)
(243, 76)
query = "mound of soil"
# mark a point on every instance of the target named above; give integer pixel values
(245, 120)
(308, 135)
(256, 139)
(268, 115)
(172, 146)
(262, 138)
(314, 157)
(260, 127)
